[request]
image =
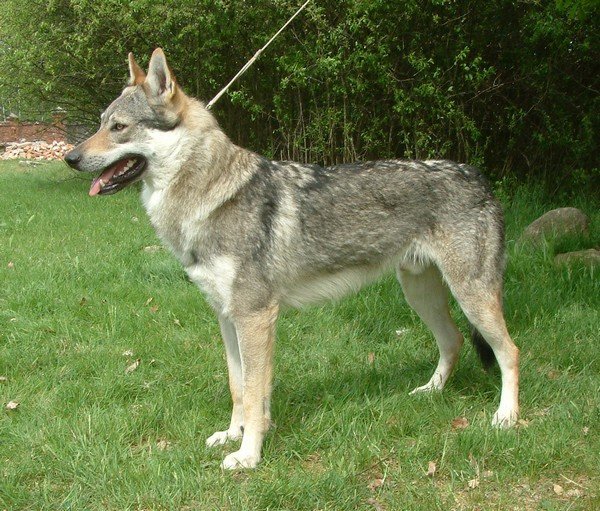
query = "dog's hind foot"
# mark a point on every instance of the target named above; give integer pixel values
(222, 437)
(436, 384)
(425, 389)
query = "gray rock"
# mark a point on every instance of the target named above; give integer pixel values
(590, 257)
(557, 222)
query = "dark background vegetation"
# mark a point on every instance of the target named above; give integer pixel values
(509, 86)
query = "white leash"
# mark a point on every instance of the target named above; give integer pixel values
(254, 58)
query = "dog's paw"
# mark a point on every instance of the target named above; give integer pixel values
(239, 459)
(435, 384)
(222, 437)
(505, 419)
(427, 388)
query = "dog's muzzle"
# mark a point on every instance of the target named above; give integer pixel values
(115, 176)
(72, 158)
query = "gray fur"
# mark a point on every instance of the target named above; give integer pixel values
(256, 234)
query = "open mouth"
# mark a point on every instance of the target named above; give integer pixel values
(118, 176)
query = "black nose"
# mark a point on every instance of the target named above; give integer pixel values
(73, 158)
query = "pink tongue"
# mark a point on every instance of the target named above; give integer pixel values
(106, 177)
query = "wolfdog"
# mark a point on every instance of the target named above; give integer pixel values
(256, 235)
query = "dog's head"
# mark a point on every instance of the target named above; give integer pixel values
(133, 128)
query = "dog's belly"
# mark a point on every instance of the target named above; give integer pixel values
(314, 289)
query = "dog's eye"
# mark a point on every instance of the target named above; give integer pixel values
(118, 127)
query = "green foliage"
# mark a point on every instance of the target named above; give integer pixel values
(510, 86)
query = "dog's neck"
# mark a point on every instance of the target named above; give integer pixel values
(197, 163)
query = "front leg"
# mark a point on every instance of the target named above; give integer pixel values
(256, 338)
(234, 365)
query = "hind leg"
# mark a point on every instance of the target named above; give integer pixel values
(427, 295)
(482, 304)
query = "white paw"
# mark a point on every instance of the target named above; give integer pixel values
(505, 418)
(222, 437)
(429, 387)
(239, 459)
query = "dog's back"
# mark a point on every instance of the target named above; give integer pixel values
(303, 224)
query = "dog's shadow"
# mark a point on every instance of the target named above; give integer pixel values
(298, 399)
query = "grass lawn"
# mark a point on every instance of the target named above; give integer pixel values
(86, 291)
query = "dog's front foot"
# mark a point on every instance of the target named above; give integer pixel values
(505, 419)
(240, 459)
(222, 437)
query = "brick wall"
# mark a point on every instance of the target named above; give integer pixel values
(15, 131)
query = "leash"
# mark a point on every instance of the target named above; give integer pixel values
(254, 58)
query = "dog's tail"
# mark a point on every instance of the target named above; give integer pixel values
(483, 349)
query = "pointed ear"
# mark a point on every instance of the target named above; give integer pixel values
(160, 80)
(136, 74)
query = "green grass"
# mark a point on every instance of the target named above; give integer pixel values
(81, 290)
